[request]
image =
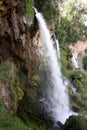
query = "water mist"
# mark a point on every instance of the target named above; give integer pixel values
(57, 94)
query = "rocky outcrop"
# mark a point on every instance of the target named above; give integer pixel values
(15, 36)
(16, 42)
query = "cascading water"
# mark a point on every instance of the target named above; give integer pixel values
(57, 94)
(75, 64)
(55, 41)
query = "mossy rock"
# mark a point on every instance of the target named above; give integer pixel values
(76, 123)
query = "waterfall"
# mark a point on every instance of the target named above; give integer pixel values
(57, 95)
(75, 64)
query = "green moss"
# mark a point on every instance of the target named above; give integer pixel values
(34, 84)
(20, 93)
(35, 80)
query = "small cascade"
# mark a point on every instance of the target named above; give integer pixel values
(75, 64)
(58, 49)
(57, 99)
(56, 42)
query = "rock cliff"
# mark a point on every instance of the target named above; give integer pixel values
(16, 41)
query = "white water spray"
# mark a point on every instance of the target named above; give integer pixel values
(75, 64)
(57, 94)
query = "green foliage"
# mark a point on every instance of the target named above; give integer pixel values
(68, 32)
(66, 65)
(79, 78)
(79, 100)
(48, 10)
(65, 60)
(29, 9)
(76, 123)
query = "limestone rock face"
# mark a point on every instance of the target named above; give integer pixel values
(15, 35)
(16, 41)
